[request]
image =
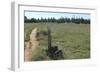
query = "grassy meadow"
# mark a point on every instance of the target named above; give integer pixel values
(72, 39)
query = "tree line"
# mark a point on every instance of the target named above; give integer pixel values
(59, 20)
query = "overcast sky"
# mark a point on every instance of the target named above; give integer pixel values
(30, 14)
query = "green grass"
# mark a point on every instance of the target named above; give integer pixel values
(72, 39)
